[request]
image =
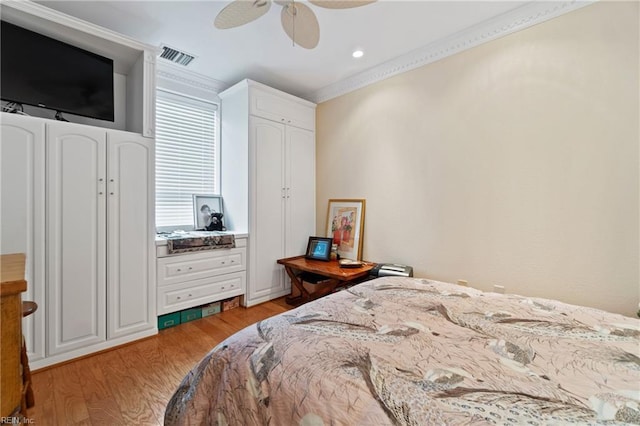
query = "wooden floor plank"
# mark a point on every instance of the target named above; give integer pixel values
(132, 384)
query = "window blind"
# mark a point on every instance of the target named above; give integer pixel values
(186, 157)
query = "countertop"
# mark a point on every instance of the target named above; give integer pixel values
(162, 241)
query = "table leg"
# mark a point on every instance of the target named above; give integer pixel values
(297, 284)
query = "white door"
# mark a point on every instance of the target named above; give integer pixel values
(267, 215)
(130, 234)
(76, 226)
(301, 190)
(22, 213)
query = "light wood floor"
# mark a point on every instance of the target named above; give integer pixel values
(131, 385)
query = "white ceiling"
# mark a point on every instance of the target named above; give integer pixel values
(261, 50)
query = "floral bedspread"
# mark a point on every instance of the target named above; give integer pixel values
(405, 351)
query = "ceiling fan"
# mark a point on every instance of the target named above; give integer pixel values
(298, 20)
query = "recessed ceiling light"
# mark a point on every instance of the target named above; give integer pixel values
(357, 53)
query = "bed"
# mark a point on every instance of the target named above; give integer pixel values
(407, 351)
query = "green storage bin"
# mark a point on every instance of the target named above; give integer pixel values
(168, 320)
(190, 315)
(211, 309)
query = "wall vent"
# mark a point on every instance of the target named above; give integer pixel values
(176, 56)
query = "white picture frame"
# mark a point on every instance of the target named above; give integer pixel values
(203, 206)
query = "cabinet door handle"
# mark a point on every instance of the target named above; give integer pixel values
(222, 262)
(232, 261)
(282, 119)
(289, 121)
(189, 294)
(178, 297)
(179, 270)
(222, 287)
(190, 268)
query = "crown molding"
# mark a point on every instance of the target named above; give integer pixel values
(518, 19)
(166, 70)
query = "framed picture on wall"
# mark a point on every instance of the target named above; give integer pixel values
(345, 226)
(207, 212)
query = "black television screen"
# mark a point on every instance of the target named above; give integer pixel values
(40, 71)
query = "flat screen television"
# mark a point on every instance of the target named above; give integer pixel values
(40, 71)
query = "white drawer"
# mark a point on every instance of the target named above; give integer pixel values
(280, 109)
(199, 292)
(193, 266)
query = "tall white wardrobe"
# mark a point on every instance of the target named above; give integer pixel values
(79, 200)
(268, 179)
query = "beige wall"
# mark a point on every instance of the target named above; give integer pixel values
(514, 163)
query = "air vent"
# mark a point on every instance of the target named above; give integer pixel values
(176, 56)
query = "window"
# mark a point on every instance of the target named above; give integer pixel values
(186, 157)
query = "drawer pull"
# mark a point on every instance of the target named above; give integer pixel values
(179, 270)
(178, 297)
(232, 261)
(222, 263)
(222, 287)
(190, 268)
(189, 294)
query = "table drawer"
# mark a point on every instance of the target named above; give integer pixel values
(199, 292)
(179, 269)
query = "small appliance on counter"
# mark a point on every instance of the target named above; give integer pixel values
(391, 270)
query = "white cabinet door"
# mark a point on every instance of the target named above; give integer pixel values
(22, 213)
(76, 236)
(300, 184)
(281, 108)
(267, 217)
(130, 234)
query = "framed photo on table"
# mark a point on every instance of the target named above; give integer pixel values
(319, 248)
(204, 207)
(345, 226)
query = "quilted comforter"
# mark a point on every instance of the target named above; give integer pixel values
(405, 351)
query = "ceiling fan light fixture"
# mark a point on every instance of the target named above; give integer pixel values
(358, 53)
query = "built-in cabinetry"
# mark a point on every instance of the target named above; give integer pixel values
(268, 179)
(191, 279)
(83, 197)
(78, 200)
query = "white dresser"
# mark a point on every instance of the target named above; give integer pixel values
(191, 279)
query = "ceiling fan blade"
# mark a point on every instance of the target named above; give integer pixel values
(241, 12)
(340, 4)
(300, 24)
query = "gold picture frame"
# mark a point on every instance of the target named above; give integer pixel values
(345, 225)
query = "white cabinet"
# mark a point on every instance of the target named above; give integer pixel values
(274, 106)
(269, 144)
(95, 230)
(100, 203)
(76, 236)
(22, 214)
(130, 194)
(191, 279)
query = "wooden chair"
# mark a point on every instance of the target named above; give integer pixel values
(28, 400)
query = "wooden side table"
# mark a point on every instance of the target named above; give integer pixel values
(295, 266)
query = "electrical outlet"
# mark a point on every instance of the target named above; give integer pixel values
(498, 289)
(463, 283)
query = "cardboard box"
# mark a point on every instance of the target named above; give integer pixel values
(211, 309)
(190, 315)
(168, 320)
(232, 303)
